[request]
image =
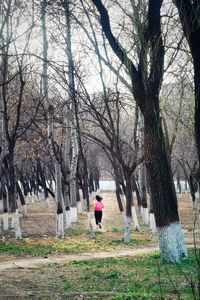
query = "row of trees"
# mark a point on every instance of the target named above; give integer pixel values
(79, 74)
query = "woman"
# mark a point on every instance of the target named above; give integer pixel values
(98, 206)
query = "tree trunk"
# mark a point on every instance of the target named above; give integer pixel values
(42, 180)
(118, 195)
(5, 205)
(162, 188)
(152, 222)
(139, 200)
(72, 100)
(179, 185)
(130, 209)
(74, 163)
(143, 194)
(65, 167)
(142, 177)
(22, 200)
(12, 196)
(79, 204)
(59, 222)
(66, 197)
(55, 151)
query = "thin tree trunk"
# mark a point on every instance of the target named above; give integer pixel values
(139, 200)
(59, 220)
(118, 195)
(79, 204)
(130, 209)
(65, 164)
(22, 200)
(12, 196)
(142, 172)
(5, 205)
(179, 185)
(72, 99)
(49, 105)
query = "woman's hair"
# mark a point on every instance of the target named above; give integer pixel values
(98, 198)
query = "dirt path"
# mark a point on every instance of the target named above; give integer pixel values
(37, 262)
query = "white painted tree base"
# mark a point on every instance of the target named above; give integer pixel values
(1, 205)
(123, 198)
(59, 226)
(24, 212)
(47, 203)
(145, 216)
(74, 215)
(179, 196)
(198, 210)
(152, 222)
(135, 219)
(171, 242)
(17, 229)
(13, 219)
(84, 204)
(123, 217)
(134, 195)
(34, 198)
(68, 218)
(176, 227)
(27, 199)
(194, 204)
(127, 229)
(140, 211)
(5, 221)
(90, 226)
(79, 207)
(167, 244)
(94, 194)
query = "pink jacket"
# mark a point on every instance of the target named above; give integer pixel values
(98, 205)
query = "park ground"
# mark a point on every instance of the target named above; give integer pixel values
(79, 267)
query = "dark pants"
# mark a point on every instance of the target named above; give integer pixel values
(98, 216)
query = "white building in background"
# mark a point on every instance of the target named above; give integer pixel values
(109, 185)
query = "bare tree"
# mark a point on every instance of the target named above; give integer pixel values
(146, 84)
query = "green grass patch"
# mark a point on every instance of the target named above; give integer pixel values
(68, 245)
(116, 229)
(97, 232)
(22, 249)
(142, 277)
(34, 247)
(145, 277)
(133, 242)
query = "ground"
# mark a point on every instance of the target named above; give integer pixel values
(78, 267)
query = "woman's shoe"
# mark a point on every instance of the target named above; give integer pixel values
(100, 225)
